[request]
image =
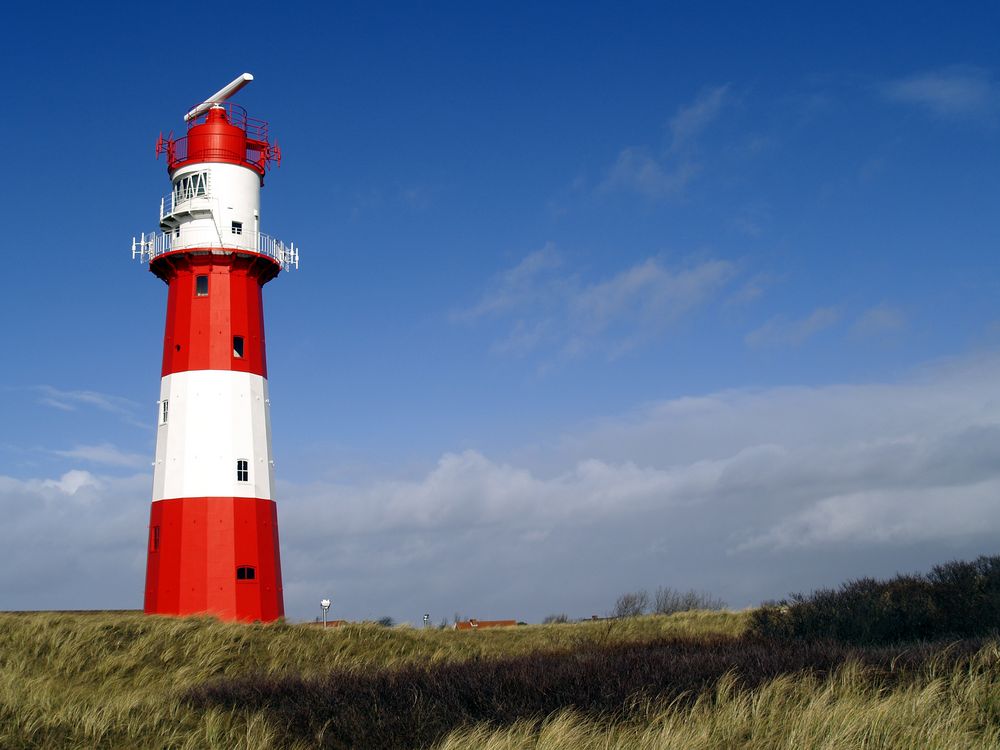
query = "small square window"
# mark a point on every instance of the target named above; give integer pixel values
(237, 227)
(238, 347)
(246, 573)
(164, 407)
(201, 286)
(242, 470)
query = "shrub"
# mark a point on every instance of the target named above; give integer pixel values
(632, 604)
(954, 600)
(414, 706)
(668, 601)
(559, 619)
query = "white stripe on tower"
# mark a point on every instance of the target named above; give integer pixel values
(214, 419)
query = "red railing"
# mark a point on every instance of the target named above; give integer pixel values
(259, 153)
(256, 130)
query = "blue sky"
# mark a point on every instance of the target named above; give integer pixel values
(591, 298)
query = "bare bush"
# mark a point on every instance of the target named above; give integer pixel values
(562, 617)
(632, 604)
(668, 601)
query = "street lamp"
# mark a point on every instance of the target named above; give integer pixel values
(325, 604)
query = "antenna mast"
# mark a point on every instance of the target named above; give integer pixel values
(219, 96)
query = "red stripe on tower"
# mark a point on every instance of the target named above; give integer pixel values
(213, 535)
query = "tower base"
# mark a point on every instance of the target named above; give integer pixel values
(216, 556)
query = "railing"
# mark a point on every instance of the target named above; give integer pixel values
(185, 202)
(258, 154)
(257, 130)
(148, 247)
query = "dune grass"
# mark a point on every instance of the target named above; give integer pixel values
(91, 681)
(418, 705)
(126, 681)
(953, 708)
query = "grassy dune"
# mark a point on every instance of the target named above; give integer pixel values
(951, 709)
(130, 681)
(88, 681)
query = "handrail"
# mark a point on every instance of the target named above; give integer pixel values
(236, 115)
(186, 201)
(148, 247)
(258, 153)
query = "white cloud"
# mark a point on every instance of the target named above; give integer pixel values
(657, 177)
(691, 120)
(72, 482)
(752, 289)
(516, 286)
(910, 514)
(104, 454)
(649, 293)
(780, 331)
(953, 92)
(76, 541)
(737, 492)
(790, 453)
(746, 493)
(71, 400)
(635, 169)
(879, 321)
(547, 305)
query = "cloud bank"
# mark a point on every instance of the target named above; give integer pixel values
(745, 493)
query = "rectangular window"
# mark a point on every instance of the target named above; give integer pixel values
(238, 347)
(177, 231)
(246, 573)
(201, 286)
(154, 539)
(237, 227)
(164, 405)
(242, 470)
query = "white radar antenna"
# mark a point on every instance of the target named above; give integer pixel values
(219, 96)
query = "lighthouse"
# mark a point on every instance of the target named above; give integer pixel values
(213, 528)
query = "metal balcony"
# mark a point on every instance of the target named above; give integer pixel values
(177, 207)
(148, 247)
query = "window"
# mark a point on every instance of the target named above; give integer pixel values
(164, 404)
(237, 227)
(154, 539)
(238, 347)
(242, 470)
(177, 231)
(246, 573)
(201, 286)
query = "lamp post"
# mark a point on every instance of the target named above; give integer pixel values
(325, 604)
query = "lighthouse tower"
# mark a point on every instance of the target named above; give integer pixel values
(213, 529)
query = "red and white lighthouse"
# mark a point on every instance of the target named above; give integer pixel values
(213, 530)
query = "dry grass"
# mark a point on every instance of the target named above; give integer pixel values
(95, 681)
(940, 709)
(116, 681)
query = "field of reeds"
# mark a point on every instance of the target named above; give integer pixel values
(688, 680)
